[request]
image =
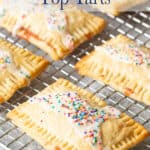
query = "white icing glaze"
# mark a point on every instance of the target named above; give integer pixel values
(85, 119)
(56, 20)
(7, 64)
(128, 53)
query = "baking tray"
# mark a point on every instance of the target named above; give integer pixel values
(135, 25)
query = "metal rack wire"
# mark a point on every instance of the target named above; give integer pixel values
(134, 25)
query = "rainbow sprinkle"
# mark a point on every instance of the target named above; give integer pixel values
(5, 60)
(56, 20)
(86, 119)
(7, 64)
(129, 53)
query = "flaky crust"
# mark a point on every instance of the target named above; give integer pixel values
(32, 63)
(21, 117)
(116, 7)
(80, 25)
(131, 79)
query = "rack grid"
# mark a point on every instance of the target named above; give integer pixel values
(135, 25)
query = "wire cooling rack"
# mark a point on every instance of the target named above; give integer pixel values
(134, 25)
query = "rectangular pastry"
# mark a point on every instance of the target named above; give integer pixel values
(121, 63)
(66, 117)
(56, 32)
(115, 7)
(17, 68)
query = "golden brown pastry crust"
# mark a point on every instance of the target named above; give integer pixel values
(116, 7)
(27, 123)
(81, 26)
(11, 82)
(129, 78)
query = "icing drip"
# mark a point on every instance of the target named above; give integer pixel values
(68, 41)
(56, 20)
(86, 119)
(128, 53)
(7, 64)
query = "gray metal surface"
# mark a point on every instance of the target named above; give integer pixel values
(135, 25)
